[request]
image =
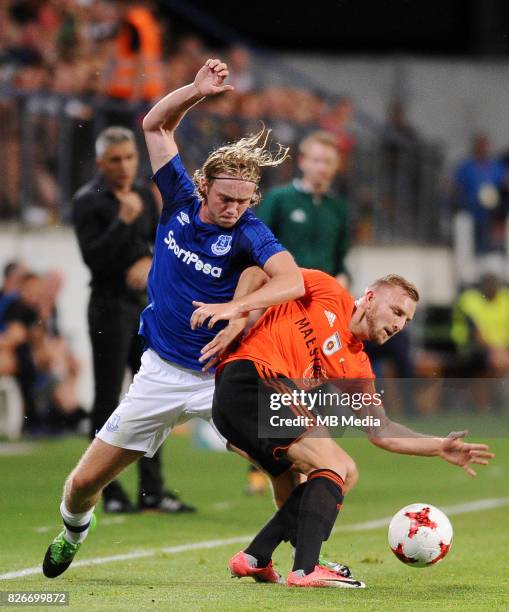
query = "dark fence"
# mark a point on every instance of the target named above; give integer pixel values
(393, 186)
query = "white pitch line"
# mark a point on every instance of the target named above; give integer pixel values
(481, 504)
(17, 448)
(137, 554)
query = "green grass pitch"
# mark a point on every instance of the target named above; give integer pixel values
(474, 576)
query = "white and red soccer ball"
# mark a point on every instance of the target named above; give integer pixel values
(420, 535)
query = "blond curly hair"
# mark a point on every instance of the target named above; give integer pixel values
(242, 159)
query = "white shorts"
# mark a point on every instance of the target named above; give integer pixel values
(161, 396)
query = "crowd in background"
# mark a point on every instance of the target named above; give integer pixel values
(103, 62)
(69, 69)
(34, 351)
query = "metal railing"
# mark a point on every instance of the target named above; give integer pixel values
(393, 187)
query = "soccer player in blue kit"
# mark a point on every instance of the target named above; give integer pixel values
(206, 237)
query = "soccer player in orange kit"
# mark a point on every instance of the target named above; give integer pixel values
(299, 344)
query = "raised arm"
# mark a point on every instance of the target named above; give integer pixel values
(160, 123)
(397, 438)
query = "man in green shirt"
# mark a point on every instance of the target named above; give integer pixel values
(305, 216)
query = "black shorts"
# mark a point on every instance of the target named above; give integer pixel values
(239, 399)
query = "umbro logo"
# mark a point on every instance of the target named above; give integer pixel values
(183, 218)
(331, 317)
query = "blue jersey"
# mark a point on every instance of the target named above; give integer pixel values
(194, 260)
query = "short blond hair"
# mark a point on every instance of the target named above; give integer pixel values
(394, 280)
(242, 159)
(320, 136)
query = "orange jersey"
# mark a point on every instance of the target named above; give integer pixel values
(308, 339)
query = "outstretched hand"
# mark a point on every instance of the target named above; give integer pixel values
(209, 80)
(215, 313)
(212, 352)
(455, 450)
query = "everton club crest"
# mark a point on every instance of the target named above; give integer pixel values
(222, 245)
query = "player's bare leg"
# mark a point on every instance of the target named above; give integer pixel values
(283, 485)
(100, 464)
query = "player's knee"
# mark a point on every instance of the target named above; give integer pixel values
(339, 461)
(81, 483)
(352, 475)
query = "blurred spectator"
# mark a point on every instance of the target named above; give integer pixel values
(399, 174)
(178, 72)
(400, 138)
(42, 187)
(20, 321)
(305, 216)
(13, 275)
(191, 48)
(240, 68)
(400, 150)
(75, 66)
(252, 106)
(481, 328)
(99, 23)
(57, 366)
(305, 107)
(21, 43)
(338, 121)
(42, 361)
(10, 335)
(10, 143)
(477, 182)
(278, 105)
(135, 72)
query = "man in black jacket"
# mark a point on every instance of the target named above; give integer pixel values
(115, 218)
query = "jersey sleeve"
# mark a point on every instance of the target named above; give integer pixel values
(175, 185)
(260, 243)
